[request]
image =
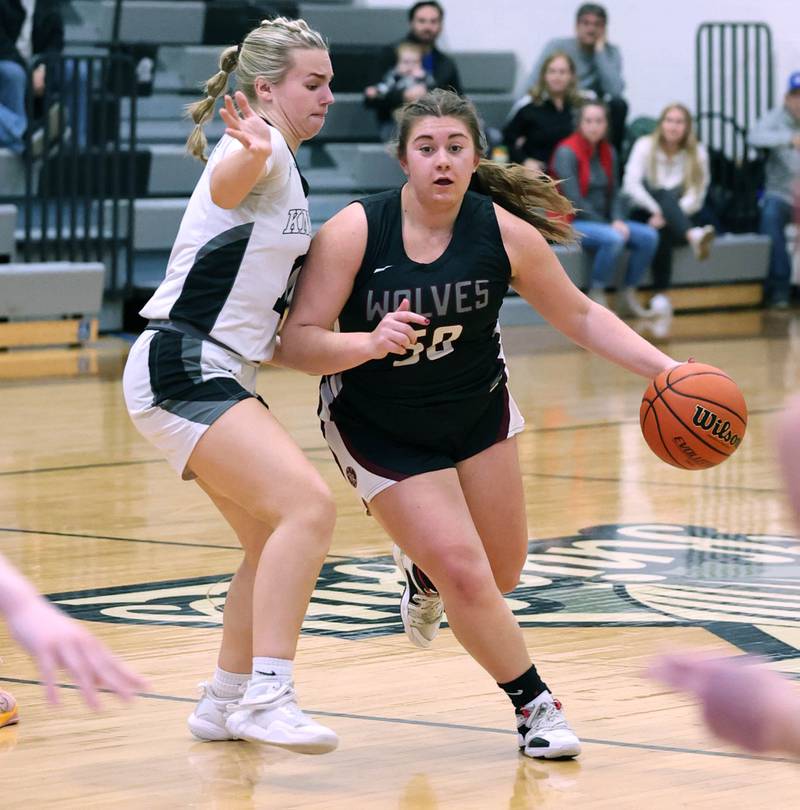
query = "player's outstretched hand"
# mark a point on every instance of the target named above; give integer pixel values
(395, 333)
(56, 642)
(249, 128)
(742, 702)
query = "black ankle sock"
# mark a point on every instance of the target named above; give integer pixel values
(524, 689)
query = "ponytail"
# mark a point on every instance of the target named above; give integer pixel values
(201, 112)
(534, 198)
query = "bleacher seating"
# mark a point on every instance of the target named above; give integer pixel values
(49, 303)
(8, 222)
(344, 161)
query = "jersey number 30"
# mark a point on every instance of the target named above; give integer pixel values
(440, 346)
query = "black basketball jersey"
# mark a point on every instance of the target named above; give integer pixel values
(446, 380)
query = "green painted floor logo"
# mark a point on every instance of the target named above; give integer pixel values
(744, 588)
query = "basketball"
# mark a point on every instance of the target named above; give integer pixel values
(693, 416)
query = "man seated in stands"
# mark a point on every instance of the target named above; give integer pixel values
(407, 80)
(779, 133)
(27, 27)
(598, 63)
(425, 26)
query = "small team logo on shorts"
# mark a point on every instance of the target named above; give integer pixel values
(351, 476)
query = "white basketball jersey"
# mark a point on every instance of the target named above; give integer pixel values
(229, 270)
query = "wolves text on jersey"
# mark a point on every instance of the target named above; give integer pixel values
(458, 297)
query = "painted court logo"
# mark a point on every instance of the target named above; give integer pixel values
(744, 588)
(709, 421)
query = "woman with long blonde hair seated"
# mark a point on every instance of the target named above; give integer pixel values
(666, 179)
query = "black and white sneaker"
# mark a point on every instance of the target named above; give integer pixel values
(543, 732)
(421, 606)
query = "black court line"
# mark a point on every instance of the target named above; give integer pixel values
(614, 480)
(71, 467)
(11, 530)
(670, 749)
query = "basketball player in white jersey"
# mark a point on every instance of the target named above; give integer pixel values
(190, 378)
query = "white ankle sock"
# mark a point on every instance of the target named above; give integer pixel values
(272, 669)
(227, 684)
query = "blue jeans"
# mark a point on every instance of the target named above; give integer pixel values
(13, 120)
(775, 216)
(607, 245)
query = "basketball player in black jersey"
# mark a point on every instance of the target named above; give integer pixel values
(415, 404)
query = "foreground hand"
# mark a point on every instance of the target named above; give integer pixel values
(394, 334)
(742, 702)
(657, 221)
(56, 642)
(249, 128)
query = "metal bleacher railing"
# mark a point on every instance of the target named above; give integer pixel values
(733, 87)
(79, 166)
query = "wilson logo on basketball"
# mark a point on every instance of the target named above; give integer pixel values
(711, 423)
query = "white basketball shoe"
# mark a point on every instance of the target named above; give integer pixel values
(421, 606)
(543, 732)
(207, 721)
(268, 713)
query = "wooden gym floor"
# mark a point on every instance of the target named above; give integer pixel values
(628, 557)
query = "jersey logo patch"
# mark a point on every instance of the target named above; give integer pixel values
(381, 269)
(298, 222)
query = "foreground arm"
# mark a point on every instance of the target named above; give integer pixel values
(326, 281)
(55, 642)
(540, 279)
(743, 704)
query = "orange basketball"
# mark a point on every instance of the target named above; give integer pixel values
(693, 416)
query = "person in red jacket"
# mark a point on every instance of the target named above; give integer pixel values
(586, 163)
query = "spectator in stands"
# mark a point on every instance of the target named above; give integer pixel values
(532, 134)
(779, 132)
(666, 179)
(407, 74)
(425, 26)
(598, 64)
(27, 28)
(587, 164)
